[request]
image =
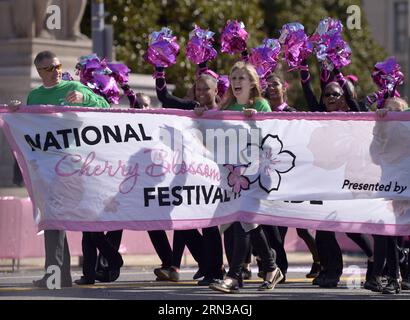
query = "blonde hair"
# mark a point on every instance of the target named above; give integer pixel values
(256, 92)
(400, 103)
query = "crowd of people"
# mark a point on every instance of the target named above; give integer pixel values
(386, 258)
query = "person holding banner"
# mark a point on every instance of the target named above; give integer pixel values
(244, 94)
(56, 91)
(210, 257)
(386, 247)
(337, 95)
(276, 94)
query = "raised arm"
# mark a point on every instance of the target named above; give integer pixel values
(310, 97)
(167, 99)
(349, 96)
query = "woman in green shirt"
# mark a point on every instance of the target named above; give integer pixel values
(244, 94)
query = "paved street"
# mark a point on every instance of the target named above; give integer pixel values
(138, 283)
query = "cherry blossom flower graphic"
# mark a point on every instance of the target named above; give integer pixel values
(111, 204)
(267, 162)
(236, 180)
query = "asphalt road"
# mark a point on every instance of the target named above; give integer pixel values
(137, 283)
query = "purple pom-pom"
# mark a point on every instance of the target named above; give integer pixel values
(102, 77)
(265, 57)
(105, 86)
(162, 49)
(330, 48)
(297, 46)
(223, 85)
(199, 48)
(387, 76)
(66, 76)
(234, 37)
(120, 72)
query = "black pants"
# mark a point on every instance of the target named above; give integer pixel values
(276, 242)
(190, 238)
(212, 253)
(90, 243)
(162, 247)
(386, 251)
(237, 243)
(330, 254)
(305, 235)
(363, 242)
(114, 237)
(172, 257)
(58, 253)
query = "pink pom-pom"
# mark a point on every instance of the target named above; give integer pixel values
(162, 49)
(120, 72)
(223, 85)
(330, 48)
(234, 37)
(102, 77)
(297, 46)
(265, 57)
(199, 48)
(387, 76)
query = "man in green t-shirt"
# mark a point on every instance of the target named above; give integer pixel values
(56, 91)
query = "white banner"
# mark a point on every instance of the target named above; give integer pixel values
(95, 169)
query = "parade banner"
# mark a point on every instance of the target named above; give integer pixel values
(96, 169)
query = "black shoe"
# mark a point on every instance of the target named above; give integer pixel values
(225, 288)
(404, 262)
(314, 270)
(369, 270)
(316, 281)
(405, 285)
(374, 284)
(329, 282)
(162, 274)
(207, 281)
(166, 274)
(42, 283)
(198, 274)
(113, 275)
(84, 281)
(392, 287)
(101, 276)
(117, 265)
(246, 274)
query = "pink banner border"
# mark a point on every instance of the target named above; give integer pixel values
(224, 115)
(251, 217)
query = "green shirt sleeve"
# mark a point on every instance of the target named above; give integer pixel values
(262, 105)
(90, 98)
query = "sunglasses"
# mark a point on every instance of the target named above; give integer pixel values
(51, 68)
(333, 94)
